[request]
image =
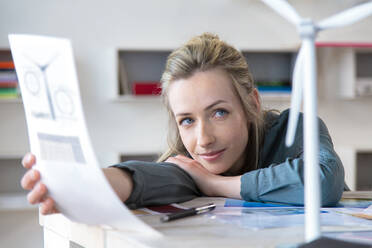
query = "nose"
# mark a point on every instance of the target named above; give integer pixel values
(205, 134)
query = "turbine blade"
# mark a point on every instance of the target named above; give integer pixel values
(284, 9)
(347, 17)
(297, 85)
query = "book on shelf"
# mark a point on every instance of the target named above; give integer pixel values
(280, 87)
(146, 88)
(8, 81)
(8, 84)
(124, 85)
(7, 93)
(8, 65)
(8, 75)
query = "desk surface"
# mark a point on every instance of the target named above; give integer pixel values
(196, 231)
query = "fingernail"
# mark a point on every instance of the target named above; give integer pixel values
(33, 175)
(27, 158)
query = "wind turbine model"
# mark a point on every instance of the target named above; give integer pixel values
(304, 77)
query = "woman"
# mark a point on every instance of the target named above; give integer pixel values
(221, 143)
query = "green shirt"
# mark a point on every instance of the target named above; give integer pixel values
(279, 177)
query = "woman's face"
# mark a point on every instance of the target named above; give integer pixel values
(211, 120)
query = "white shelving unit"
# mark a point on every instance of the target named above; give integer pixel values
(15, 202)
(137, 99)
(12, 196)
(11, 100)
(147, 65)
(345, 69)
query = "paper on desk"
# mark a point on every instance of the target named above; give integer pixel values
(356, 212)
(277, 217)
(58, 135)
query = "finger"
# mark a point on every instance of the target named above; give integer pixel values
(55, 211)
(48, 206)
(37, 194)
(30, 178)
(184, 158)
(28, 160)
(171, 160)
(180, 156)
(177, 161)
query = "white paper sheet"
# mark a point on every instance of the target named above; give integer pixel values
(332, 219)
(59, 138)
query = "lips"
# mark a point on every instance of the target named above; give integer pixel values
(211, 156)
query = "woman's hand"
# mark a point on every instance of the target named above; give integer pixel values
(209, 183)
(202, 177)
(31, 181)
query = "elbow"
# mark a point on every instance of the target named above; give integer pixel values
(332, 186)
(332, 177)
(330, 198)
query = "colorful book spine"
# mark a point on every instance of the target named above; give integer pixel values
(6, 93)
(8, 84)
(8, 81)
(272, 87)
(8, 65)
(146, 88)
(6, 76)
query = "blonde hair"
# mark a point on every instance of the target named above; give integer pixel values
(203, 53)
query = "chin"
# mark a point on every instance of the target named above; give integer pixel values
(214, 168)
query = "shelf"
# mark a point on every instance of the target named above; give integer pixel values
(139, 66)
(275, 97)
(11, 100)
(11, 155)
(15, 202)
(148, 65)
(137, 99)
(157, 99)
(344, 44)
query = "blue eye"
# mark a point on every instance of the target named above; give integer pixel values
(220, 113)
(186, 122)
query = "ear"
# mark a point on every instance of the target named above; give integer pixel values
(256, 99)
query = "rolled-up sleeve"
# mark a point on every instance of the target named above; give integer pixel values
(284, 182)
(158, 184)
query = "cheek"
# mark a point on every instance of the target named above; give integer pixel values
(187, 140)
(238, 135)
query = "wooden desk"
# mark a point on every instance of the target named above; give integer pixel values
(192, 232)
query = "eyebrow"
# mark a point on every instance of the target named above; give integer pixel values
(208, 107)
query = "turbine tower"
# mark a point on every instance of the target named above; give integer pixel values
(304, 77)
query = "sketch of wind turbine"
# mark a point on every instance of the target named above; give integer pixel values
(304, 80)
(43, 68)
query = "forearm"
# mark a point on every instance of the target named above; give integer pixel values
(121, 182)
(227, 187)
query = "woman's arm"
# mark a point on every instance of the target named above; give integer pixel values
(284, 182)
(158, 184)
(281, 177)
(210, 184)
(119, 180)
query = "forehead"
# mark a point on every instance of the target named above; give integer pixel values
(201, 90)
